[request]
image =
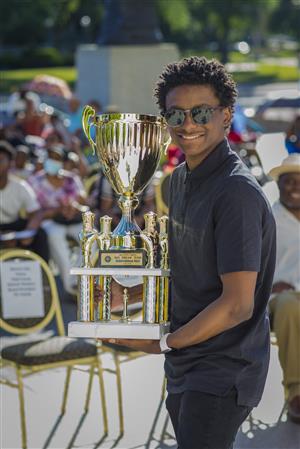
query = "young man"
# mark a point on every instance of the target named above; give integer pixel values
(285, 302)
(222, 258)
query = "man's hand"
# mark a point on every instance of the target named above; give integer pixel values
(116, 296)
(135, 295)
(69, 212)
(148, 346)
(27, 242)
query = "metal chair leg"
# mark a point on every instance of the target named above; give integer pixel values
(119, 391)
(164, 429)
(251, 422)
(102, 394)
(164, 388)
(283, 410)
(88, 395)
(66, 389)
(22, 407)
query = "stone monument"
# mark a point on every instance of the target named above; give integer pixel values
(122, 67)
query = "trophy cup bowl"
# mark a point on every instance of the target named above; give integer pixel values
(129, 148)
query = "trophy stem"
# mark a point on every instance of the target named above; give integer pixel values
(127, 223)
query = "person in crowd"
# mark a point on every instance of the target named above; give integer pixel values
(58, 127)
(75, 147)
(61, 197)
(292, 140)
(53, 139)
(17, 197)
(22, 167)
(75, 114)
(16, 101)
(222, 258)
(71, 162)
(31, 121)
(285, 300)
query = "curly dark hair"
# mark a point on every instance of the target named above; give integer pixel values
(197, 70)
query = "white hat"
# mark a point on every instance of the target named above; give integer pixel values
(291, 164)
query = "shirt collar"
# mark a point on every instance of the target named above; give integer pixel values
(211, 163)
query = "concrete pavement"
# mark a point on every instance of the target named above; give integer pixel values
(144, 411)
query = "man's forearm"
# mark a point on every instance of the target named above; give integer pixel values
(136, 294)
(51, 212)
(218, 317)
(34, 220)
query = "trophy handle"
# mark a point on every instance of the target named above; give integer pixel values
(87, 114)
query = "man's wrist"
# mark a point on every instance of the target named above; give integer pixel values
(164, 348)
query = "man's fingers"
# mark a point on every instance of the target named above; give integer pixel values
(120, 341)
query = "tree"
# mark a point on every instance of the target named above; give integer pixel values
(27, 22)
(286, 18)
(197, 23)
(226, 21)
(23, 22)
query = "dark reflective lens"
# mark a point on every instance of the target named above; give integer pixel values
(200, 115)
(175, 117)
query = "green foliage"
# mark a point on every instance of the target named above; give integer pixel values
(35, 57)
(42, 57)
(22, 22)
(175, 14)
(55, 22)
(286, 18)
(203, 25)
(200, 24)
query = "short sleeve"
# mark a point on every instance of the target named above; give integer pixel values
(29, 199)
(238, 217)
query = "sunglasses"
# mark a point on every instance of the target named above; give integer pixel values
(200, 115)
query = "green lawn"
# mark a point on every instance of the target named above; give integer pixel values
(11, 79)
(267, 73)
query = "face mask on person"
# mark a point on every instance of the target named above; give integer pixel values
(52, 166)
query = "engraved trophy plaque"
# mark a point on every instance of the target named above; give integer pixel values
(129, 147)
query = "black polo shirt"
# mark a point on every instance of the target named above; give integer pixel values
(220, 222)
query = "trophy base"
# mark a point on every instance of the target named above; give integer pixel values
(117, 329)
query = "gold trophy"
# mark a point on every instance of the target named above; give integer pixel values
(129, 147)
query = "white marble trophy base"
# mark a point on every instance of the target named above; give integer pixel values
(117, 329)
(126, 272)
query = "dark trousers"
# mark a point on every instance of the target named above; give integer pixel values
(205, 421)
(39, 243)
